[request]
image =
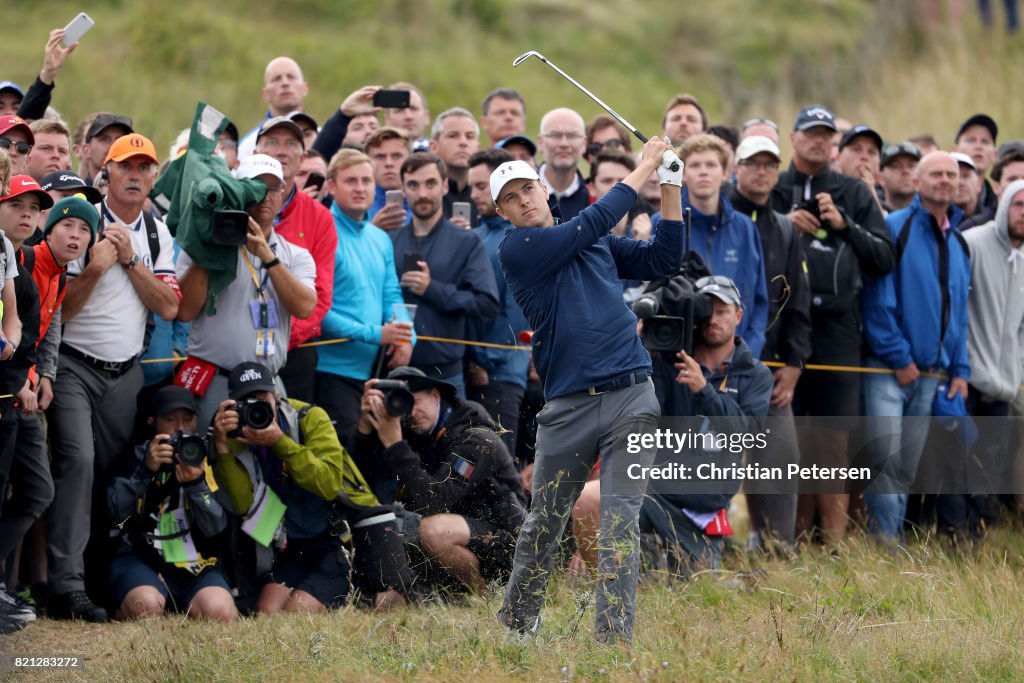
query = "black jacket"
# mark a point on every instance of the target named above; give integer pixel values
(838, 261)
(464, 469)
(36, 100)
(14, 371)
(332, 133)
(787, 337)
(462, 285)
(463, 195)
(740, 390)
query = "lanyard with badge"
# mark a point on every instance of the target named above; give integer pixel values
(263, 310)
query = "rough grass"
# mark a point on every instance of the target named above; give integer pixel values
(861, 613)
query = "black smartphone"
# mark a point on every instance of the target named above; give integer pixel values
(412, 261)
(315, 180)
(391, 99)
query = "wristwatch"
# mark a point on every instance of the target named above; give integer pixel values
(132, 262)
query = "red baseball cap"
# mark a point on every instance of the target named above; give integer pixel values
(23, 184)
(12, 121)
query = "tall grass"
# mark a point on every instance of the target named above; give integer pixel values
(916, 613)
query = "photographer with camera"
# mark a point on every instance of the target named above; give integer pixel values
(168, 522)
(722, 378)
(455, 476)
(281, 465)
(252, 318)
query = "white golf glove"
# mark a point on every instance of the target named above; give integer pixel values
(666, 176)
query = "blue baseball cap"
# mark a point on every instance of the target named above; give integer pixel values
(11, 85)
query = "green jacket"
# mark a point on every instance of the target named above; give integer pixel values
(314, 470)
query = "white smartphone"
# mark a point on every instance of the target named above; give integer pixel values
(461, 210)
(77, 28)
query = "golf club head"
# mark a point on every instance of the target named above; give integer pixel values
(526, 55)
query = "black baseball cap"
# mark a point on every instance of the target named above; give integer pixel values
(68, 180)
(419, 381)
(861, 129)
(171, 398)
(518, 140)
(303, 116)
(814, 115)
(983, 120)
(104, 121)
(1015, 146)
(245, 378)
(902, 149)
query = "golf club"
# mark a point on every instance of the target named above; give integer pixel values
(629, 126)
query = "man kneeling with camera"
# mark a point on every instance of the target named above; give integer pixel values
(451, 471)
(169, 522)
(280, 463)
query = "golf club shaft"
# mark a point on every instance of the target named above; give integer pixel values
(615, 114)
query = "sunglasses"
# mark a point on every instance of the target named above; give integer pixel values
(718, 281)
(753, 122)
(613, 144)
(19, 147)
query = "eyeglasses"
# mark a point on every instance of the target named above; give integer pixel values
(272, 144)
(760, 165)
(275, 189)
(558, 136)
(767, 122)
(19, 147)
(612, 144)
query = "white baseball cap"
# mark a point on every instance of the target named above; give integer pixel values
(256, 165)
(962, 158)
(757, 144)
(509, 171)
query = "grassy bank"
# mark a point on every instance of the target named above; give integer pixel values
(917, 613)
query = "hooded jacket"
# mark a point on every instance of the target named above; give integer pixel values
(462, 468)
(996, 305)
(904, 311)
(730, 244)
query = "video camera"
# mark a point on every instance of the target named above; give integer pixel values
(252, 412)
(672, 310)
(398, 399)
(189, 448)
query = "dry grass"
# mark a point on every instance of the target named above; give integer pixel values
(916, 613)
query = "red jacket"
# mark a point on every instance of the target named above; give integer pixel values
(47, 276)
(306, 223)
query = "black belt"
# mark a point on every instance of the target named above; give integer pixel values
(115, 368)
(638, 377)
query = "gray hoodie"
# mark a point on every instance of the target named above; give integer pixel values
(996, 305)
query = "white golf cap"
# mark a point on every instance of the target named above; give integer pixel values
(757, 144)
(508, 171)
(962, 158)
(256, 165)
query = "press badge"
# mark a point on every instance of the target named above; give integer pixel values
(262, 520)
(264, 343)
(264, 314)
(176, 539)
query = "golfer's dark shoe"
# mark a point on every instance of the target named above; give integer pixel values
(75, 605)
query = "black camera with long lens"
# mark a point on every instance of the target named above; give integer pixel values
(189, 448)
(230, 228)
(398, 399)
(252, 412)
